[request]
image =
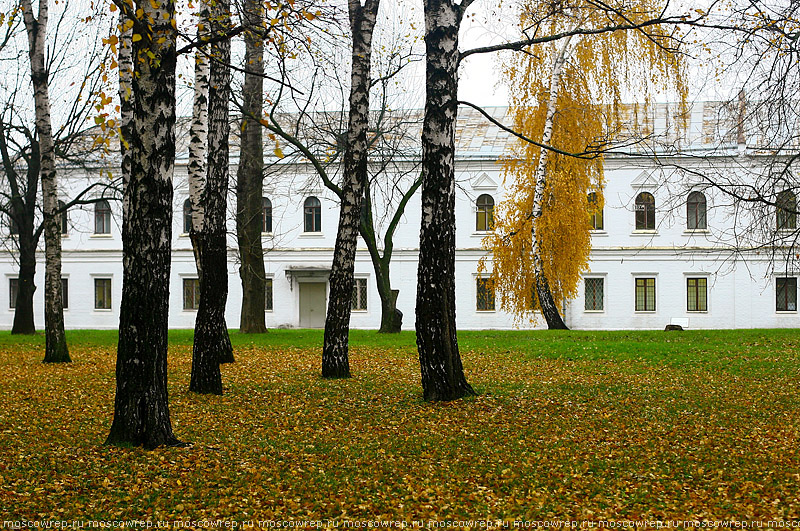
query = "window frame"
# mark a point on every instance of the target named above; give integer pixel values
(696, 203)
(359, 301)
(65, 293)
(595, 213)
(195, 293)
(312, 206)
(586, 281)
(13, 291)
(793, 280)
(187, 216)
(696, 289)
(645, 299)
(109, 294)
(266, 215)
(102, 217)
(485, 294)
(484, 213)
(786, 211)
(645, 210)
(269, 293)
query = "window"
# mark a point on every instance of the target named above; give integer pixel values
(595, 212)
(266, 215)
(696, 294)
(63, 220)
(102, 294)
(65, 293)
(485, 294)
(645, 211)
(102, 217)
(786, 294)
(484, 217)
(786, 210)
(593, 291)
(312, 215)
(645, 294)
(268, 294)
(187, 216)
(13, 289)
(359, 294)
(696, 211)
(191, 293)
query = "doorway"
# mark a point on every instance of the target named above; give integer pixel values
(312, 304)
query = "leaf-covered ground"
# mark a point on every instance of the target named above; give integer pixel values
(611, 425)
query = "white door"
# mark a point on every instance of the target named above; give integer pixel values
(312, 304)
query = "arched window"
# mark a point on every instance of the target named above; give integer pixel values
(266, 215)
(187, 216)
(484, 213)
(63, 221)
(786, 210)
(102, 217)
(312, 215)
(645, 211)
(595, 212)
(696, 211)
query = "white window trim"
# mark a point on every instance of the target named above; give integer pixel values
(475, 277)
(645, 274)
(365, 277)
(65, 276)
(603, 276)
(186, 276)
(775, 277)
(697, 274)
(9, 277)
(109, 276)
(270, 276)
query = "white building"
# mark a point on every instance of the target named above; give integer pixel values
(659, 254)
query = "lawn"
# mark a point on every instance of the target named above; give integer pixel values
(583, 425)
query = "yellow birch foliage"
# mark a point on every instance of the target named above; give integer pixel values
(598, 71)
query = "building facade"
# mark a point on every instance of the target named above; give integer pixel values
(662, 248)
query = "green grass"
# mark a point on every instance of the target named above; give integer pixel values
(567, 424)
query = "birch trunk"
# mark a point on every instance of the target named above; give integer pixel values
(335, 359)
(546, 301)
(212, 345)
(250, 178)
(55, 339)
(437, 343)
(141, 408)
(198, 138)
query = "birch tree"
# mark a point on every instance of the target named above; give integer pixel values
(335, 361)
(441, 367)
(141, 408)
(212, 345)
(565, 94)
(55, 339)
(442, 372)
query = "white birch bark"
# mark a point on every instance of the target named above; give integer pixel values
(141, 407)
(55, 343)
(440, 362)
(198, 132)
(335, 360)
(544, 294)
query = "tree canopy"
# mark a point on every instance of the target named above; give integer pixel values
(582, 80)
